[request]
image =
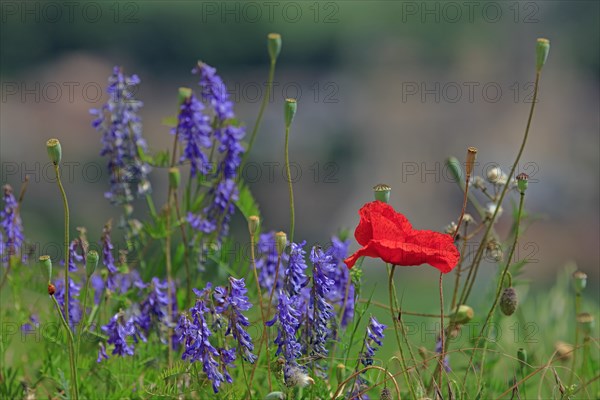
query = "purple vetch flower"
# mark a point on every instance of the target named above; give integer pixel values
(101, 353)
(74, 257)
(322, 311)
(194, 131)
(118, 329)
(374, 336)
(155, 306)
(438, 350)
(231, 304)
(218, 213)
(121, 129)
(10, 220)
(342, 292)
(107, 256)
(288, 316)
(227, 358)
(266, 263)
(97, 284)
(193, 332)
(74, 307)
(214, 91)
(31, 325)
(295, 276)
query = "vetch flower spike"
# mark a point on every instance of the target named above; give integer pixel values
(388, 235)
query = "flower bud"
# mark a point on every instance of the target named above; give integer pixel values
(522, 182)
(339, 372)
(386, 394)
(495, 175)
(522, 355)
(253, 222)
(46, 266)
(54, 151)
(280, 242)
(493, 251)
(183, 95)
(509, 301)
(542, 50)
(51, 289)
(382, 192)
(274, 45)
(586, 323)
(455, 169)
(579, 281)
(174, 178)
(290, 111)
(91, 262)
(463, 314)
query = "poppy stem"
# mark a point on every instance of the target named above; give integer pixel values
(442, 333)
(391, 291)
(289, 179)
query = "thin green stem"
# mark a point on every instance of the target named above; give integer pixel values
(263, 105)
(70, 340)
(442, 333)
(574, 361)
(398, 341)
(67, 253)
(169, 277)
(289, 179)
(83, 326)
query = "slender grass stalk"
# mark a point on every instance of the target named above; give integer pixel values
(83, 322)
(169, 278)
(67, 253)
(577, 312)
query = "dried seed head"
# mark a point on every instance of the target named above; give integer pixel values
(450, 228)
(471, 155)
(493, 251)
(564, 351)
(295, 377)
(468, 219)
(490, 209)
(478, 182)
(494, 175)
(509, 301)
(586, 322)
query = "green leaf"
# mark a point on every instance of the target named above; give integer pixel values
(246, 202)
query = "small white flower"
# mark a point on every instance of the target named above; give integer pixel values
(496, 176)
(490, 209)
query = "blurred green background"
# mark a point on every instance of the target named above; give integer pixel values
(387, 90)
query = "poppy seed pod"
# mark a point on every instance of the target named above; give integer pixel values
(54, 151)
(280, 241)
(291, 106)
(579, 281)
(522, 182)
(542, 49)
(509, 301)
(274, 45)
(463, 314)
(253, 222)
(382, 192)
(91, 262)
(46, 266)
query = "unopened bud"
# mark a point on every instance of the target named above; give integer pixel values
(579, 281)
(495, 175)
(339, 372)
(455, 169)
(463, 314)
(253, 222)
(183, 95)
(54, 151)
(542, 50)
(91, 262)
(174, 178)
(274, 45)
(291, 106)
(382, 192)
(281, 242)
(509, 301)
(46, 266)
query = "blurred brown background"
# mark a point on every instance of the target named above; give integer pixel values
(386, 90)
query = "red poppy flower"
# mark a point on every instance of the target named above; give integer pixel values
(387, 234)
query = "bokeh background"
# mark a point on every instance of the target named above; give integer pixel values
(387, 90)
